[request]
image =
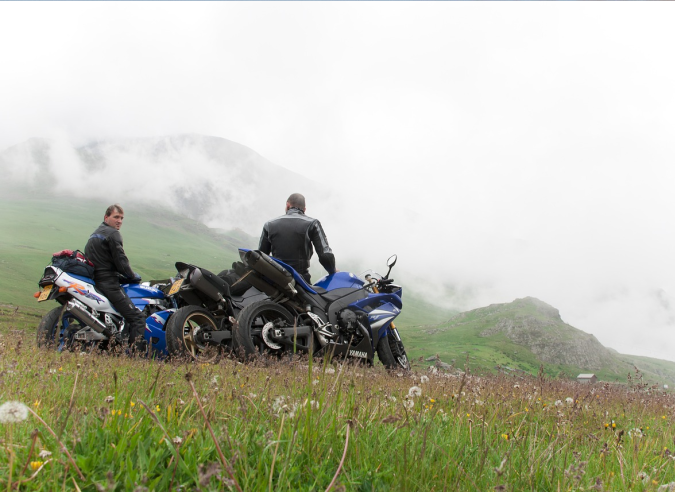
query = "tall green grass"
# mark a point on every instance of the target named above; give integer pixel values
(295, 424)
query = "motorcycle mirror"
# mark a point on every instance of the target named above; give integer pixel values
(390, 263)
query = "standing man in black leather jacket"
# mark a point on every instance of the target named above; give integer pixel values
(106, 251)
(290, 238)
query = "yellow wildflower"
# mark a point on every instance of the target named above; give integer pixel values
(36, 464)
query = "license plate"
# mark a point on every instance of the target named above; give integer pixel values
(45, 293)
(176, 285)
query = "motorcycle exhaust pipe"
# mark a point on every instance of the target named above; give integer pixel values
(83, 315)
(269, 268)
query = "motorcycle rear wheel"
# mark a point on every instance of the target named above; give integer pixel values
(184, 335)
(56, 330)
(249, 332)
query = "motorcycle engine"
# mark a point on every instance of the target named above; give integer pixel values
(348, 323)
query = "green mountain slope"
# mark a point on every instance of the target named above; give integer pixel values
(524, 335)
(154, 239)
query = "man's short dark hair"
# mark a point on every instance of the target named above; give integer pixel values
(112, 208)
(297, 200)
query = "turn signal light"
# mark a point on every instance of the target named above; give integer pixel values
(36, 295)
(63, 289)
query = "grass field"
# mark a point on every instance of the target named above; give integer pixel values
(99, 422)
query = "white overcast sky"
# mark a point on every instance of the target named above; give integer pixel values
(533, 140)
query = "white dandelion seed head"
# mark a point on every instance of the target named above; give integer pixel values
(392, 398)
(252, 395)
(415, 391)
(109, 399)
(558, 403)
(424, 379)
(516, 386)
(330, 370)
(177, 440)
(569, 400)
(13, 411)
(408, 403)
(635, 433)
(44, 454)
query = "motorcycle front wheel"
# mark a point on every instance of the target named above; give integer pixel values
(185, 335)
(56, 330)
(392, 353)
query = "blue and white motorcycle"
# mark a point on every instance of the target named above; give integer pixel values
(187, 315)
(342, 315)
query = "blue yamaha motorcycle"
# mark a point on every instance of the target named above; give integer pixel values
(342, 315)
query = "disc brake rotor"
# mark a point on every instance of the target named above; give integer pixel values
(269, 326)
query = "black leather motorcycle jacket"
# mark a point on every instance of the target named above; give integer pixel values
(290, 238)
(106, 252)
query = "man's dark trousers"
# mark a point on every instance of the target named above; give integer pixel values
(134, 319)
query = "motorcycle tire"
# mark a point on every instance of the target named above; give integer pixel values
(184, 337)
(392, 354)
(56, 329)
(248, 331)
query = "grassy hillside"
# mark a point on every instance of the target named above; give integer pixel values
(470, 339)
(34, 228)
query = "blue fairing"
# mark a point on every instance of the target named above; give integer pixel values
(155, 329)
(138, 290)
(339, 280)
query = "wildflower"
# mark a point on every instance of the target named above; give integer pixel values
(558, 403)
(132, 404)
(606, 426)
(635, 433)
(392, 398)
(569, 400)
(330, 370)
(52, 371)
(109, 399)
(13, 411)
(44, 454)
(177, 440)
(35, 465)
(432, 400)
(314, 404)
(505, 436)
(36, 403)
(516, 386)
(527, 409)
(424, 379)
(60, 368)
(157, 408)
(408, 403)
(252, 395)
(415, 391)
(613, 425)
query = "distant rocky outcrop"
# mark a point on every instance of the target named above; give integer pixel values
(538, 327)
